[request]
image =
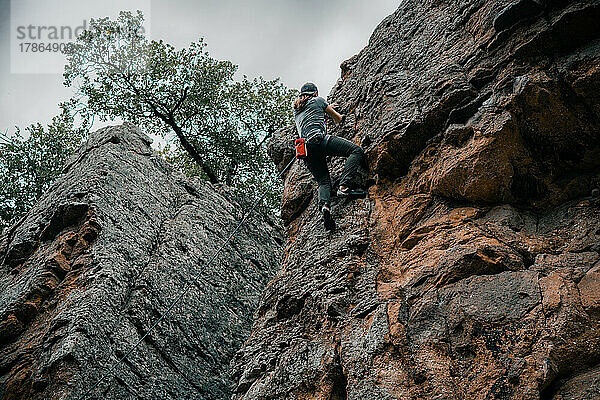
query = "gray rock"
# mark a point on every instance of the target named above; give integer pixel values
(103, 254)
(471, 272)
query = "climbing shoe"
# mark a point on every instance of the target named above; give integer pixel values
(353, 193)
(328, 220)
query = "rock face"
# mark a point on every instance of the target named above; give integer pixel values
(473, 269)
(103, 254)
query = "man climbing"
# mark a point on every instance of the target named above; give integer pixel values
(309, 112)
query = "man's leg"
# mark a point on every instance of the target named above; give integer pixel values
(317, 165)
(337, 146)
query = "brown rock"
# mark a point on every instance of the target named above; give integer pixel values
(476, 274)
(589, 289)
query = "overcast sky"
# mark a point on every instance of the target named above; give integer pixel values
(296, 40)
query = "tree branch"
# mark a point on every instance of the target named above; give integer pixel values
(191, 150)
(185, 143)
(180, 102)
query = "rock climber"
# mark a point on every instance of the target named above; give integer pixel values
(309, 112)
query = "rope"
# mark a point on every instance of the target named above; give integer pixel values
(187, 287)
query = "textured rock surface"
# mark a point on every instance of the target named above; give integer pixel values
(102, 255)
(473, 270)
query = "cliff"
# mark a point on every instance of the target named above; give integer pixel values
(103, 254)
(472, 271)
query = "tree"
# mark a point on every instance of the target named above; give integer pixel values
(220, 124)
(30, 163)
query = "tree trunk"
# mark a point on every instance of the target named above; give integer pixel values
(230, 172)
(191, 150)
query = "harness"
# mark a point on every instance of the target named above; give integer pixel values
(300, 143)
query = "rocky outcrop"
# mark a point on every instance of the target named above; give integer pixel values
(103, 254)
(472, 271)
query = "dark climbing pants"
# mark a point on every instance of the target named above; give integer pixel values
(316, 162)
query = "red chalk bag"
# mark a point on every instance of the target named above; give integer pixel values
(300, 148)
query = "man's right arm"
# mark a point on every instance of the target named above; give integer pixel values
(337, 117)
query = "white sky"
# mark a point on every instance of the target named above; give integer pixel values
(296, 40)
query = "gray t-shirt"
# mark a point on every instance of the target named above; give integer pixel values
(311, 119)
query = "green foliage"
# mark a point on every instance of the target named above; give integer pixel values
(217, 126)
(30, 162)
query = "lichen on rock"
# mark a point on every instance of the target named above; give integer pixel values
(471, 271)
